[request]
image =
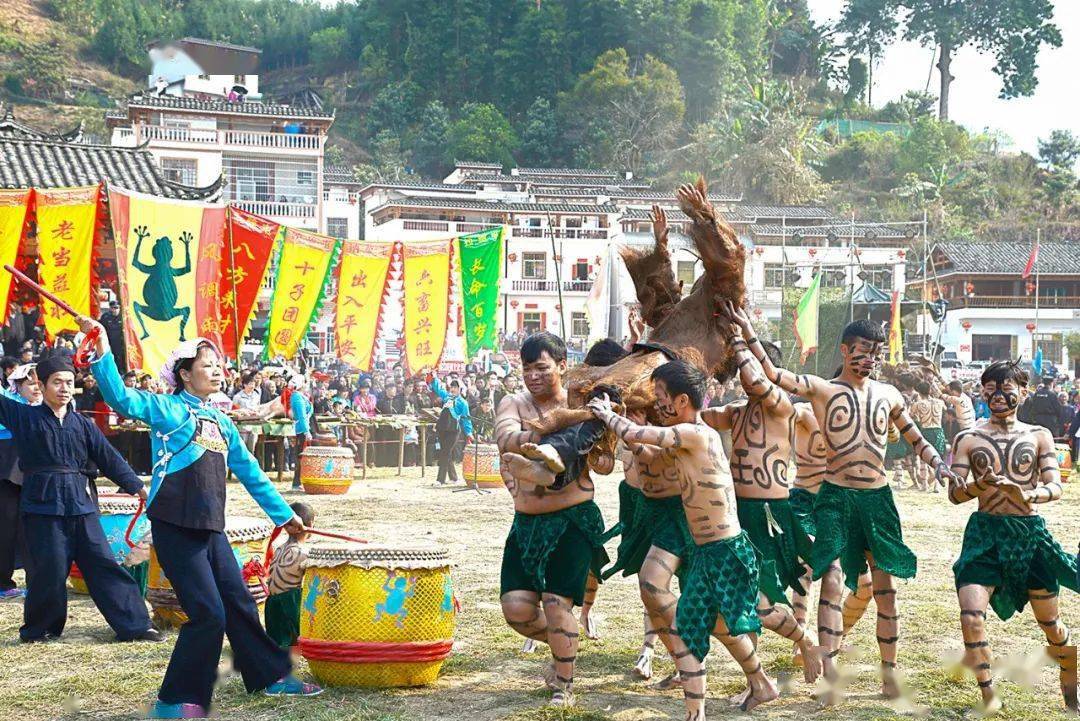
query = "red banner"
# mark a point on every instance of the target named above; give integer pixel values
(252, 240)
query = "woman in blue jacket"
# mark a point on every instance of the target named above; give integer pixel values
(193, 447)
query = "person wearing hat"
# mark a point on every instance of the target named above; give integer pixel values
(22, 386)
(60, 515)
(194, 446)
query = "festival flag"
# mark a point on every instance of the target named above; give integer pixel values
(480, 259)
(1032, 260)
(12, 217)
(168, 266)
(896, 338)
(66, 221)
(426, 300)
(806, 318)
(303, 267)
(363, 282)
(252, 240)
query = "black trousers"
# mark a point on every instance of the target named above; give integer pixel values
(10, 532)
(203, 572)
(573, 445)
(447, 457)
(298, 448)
(52, 543)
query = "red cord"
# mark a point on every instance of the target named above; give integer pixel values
(374, 651)
(327, 534)
(134, 520)
(86, 349)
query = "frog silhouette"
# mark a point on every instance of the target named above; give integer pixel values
(159, 288)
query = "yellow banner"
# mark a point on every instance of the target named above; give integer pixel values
(361, 287)
(426, 277)
(66, 222)
(302, 269)
(12, 217)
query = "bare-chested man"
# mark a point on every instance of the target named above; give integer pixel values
(928, 412)
(762, 429)
(720, 591)
(557, 536)
(1009, 557)
(857, 520)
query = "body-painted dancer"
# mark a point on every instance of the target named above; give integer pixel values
(1009, 558)
(720, 593)
(857, 521)
(194, 446)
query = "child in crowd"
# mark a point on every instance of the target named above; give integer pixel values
(282, 612)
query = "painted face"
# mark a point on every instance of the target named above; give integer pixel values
(543, 376)
(1002, 399)
(862, 357)
(665, 405)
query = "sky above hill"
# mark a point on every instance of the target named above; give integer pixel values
(974, 100)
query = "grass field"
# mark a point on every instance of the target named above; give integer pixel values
(86, 676)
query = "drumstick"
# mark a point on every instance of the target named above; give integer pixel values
(22, 278)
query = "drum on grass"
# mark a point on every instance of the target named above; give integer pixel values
(480, 465)
(1064, 456)
(248, 537)
(326, 470)
(117, 510)
(376, 616)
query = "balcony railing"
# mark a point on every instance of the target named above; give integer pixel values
(434, 226)
(235, 138)
(550, 286)
(569, 233)
(1014, 301)
(277, 208)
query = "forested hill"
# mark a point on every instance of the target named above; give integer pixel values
(735, 89)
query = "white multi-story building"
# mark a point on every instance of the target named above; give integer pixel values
(202, 119)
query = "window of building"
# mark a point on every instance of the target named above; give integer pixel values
(573, 222)
(179, 170)
(1051, 292)
(239, 79)
(1051, 346)
(305, 177)
(532, 222)
(580, 271)
(777, 275)
(579, 325)
(534, 266)
(833, 277)
(532, 321)
(204, 76)
(880, 278)
(337, 227)
(684, 273)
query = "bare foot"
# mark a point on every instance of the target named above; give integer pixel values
(545, 454)
(796, 656)
(812, 664)
(762, 694)
(550, 679)
(562, 698)
(672, 681)
(642, 670)
(529, 646)
(890, 683)
(522, 469)
(740, 698)
(591, 631)
(990, 706)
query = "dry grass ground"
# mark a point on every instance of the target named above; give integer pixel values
(487, 678)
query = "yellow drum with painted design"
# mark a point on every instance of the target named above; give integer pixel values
(116, 512)
(326, 470)
(248, 538)
(480, 466)
(375, 616)
(1064, 456)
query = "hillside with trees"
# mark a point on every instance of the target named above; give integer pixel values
(752, 93)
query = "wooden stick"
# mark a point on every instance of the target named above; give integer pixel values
(22, 278)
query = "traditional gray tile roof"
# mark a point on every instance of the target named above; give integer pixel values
(12, 128)
(584, 172)
(26, 163)
(477, 164)
(647, 194)
(553, 181)
(798, 212)
(1008, 258)
(434, 185)
(172, 102)
(674, 216)
(842, 230)
(339, 175)
(456, 204)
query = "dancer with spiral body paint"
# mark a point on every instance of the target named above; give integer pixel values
(762, 429)
(857, 520)
(1009, 557)
(721, 586)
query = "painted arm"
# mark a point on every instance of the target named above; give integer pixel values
(509, 435)
(661, 437)
(758, 385)
(960, 490)
(805, 385)
(247, 469)
(111, 464)
(1049, 486)
(718, 419)
(922, 448)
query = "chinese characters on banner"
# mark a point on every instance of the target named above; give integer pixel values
(66, 220)
(480, 258)
(252, 239)
(168, 263)
(362, 285)
(12, 217)
(302, 270)
(426, 281)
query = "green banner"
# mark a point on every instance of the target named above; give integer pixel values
(480, 256)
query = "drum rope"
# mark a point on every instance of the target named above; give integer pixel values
(312, 531)
(134, 520)
(374, 651)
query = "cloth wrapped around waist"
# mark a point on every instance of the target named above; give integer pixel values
(538, 535)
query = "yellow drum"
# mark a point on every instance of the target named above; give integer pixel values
(117, 511)
(480, 465)
(326, 470)
(376, 617)
(1064, 456)
(248, 538)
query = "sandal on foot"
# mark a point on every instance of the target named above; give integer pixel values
(292, 686)
(178, 710)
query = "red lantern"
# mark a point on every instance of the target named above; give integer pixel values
(900, 254)
(1031, 327)
(513, 304)
(759, 250)
(966, 325)
(558, 306)
(1030, 287)
(757, 312)
(812, 251)
(512, 257)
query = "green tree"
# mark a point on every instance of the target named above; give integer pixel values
(389, 162)
(329, 48)
(481, 133)
(394, 108)
(1013, 30)
(856, 80)
(540, 135)
(429, 148)
(1060, 150)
